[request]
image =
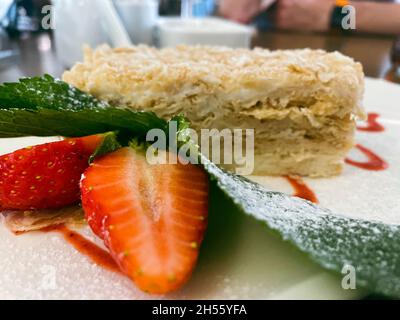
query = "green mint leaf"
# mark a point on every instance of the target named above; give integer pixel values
(45, 92)
(76, 123)
(43, 106)
(331, 240)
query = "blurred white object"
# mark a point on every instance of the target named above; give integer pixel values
(203, 31)
(113, 25)
(4, 6)
(76, 23)
(186, 9)
(85, 22)
(139, 18)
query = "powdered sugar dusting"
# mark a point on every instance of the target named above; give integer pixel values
(55, 270)
(331, 240)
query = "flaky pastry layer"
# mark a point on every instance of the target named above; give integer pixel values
(307, 98)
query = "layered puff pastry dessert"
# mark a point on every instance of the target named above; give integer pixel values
(302, 103)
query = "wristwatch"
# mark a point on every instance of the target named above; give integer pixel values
(395, 53)
(337, 15)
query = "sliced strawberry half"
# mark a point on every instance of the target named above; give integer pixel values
(151, 217)
(45, 176)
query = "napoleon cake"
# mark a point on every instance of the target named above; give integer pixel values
(302, 104)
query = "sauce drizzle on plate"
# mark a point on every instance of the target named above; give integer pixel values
(301, 189)
(86, 247)
(372, 125)
(374, 163)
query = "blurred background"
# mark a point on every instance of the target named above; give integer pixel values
(43, 36)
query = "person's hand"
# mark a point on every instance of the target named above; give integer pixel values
(242, 10)
(308, 15)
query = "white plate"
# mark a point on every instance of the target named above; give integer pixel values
(246, 262)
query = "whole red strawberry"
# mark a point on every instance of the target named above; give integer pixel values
(45, 176)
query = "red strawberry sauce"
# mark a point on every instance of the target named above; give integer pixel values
(374, 162)
(301, 189)
(372, 125)
(86, 247)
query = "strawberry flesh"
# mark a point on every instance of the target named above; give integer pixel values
(151, 217)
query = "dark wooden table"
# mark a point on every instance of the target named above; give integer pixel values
(372, 51)
(37, 54)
